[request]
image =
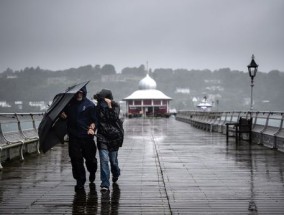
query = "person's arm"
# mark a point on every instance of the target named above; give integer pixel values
(114, 109)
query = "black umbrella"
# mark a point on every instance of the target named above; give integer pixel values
(52, 128)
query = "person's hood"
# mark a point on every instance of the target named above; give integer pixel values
(104, 93)
(84, 90)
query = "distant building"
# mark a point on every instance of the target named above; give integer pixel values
(19, 104)
(4, 104)
(147, 101)
(113, 77)
(204, 105)
(183, 90)
(12, 76)
(41, 104)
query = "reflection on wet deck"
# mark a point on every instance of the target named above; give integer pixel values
(167, 167)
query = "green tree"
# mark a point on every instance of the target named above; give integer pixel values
(108, 69)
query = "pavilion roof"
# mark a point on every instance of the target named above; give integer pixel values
(147, 94)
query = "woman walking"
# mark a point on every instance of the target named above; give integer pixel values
(109, 137)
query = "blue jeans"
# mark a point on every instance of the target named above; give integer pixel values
(106, 157)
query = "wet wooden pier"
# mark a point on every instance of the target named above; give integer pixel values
(167, 167)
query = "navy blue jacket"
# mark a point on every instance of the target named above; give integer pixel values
(80, 114)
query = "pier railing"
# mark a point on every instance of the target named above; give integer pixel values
(267, 127)
(18, 135)
(18, 131)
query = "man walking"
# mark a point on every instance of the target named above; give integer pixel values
(80, 114)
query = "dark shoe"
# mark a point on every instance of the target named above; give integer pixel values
(79, 188)
(114, 179)
(92, 186)
(92, 177)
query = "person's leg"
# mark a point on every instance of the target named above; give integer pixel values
(77, 162)
(89, 153)
(105, 173)
(115, 170)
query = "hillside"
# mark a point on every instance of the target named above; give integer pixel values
(224, 88)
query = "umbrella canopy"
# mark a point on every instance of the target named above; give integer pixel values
(52, 128)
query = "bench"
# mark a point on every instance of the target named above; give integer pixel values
(222, 123)
(11, 136)
(183, 116)
(273, 127)
(243, 126)
(267, 127)
(279, 136)
(192, 118)
(232, 119)
(201, 121)
(218, 120)
(29, 130)
(259, 125)
(16, 132)
(214, 118)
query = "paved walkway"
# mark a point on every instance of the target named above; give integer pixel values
(167, 167)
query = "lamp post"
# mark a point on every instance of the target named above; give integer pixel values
(252, 68)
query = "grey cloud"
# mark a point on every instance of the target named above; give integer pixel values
(168, 33)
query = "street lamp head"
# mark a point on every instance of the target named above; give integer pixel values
(252, 68)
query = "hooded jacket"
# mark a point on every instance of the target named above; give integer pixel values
(80, 114)
(108, 135)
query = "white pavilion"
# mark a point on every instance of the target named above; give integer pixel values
(147, 100)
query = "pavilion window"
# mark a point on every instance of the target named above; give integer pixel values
(147, 102)
(157, 102)
(137, 102)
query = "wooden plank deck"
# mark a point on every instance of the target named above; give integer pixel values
(167, 167)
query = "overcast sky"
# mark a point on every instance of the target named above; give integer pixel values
(189, 34)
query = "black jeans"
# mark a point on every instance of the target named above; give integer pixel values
(80, 149)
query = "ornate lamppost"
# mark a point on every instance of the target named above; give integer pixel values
(252, 68)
